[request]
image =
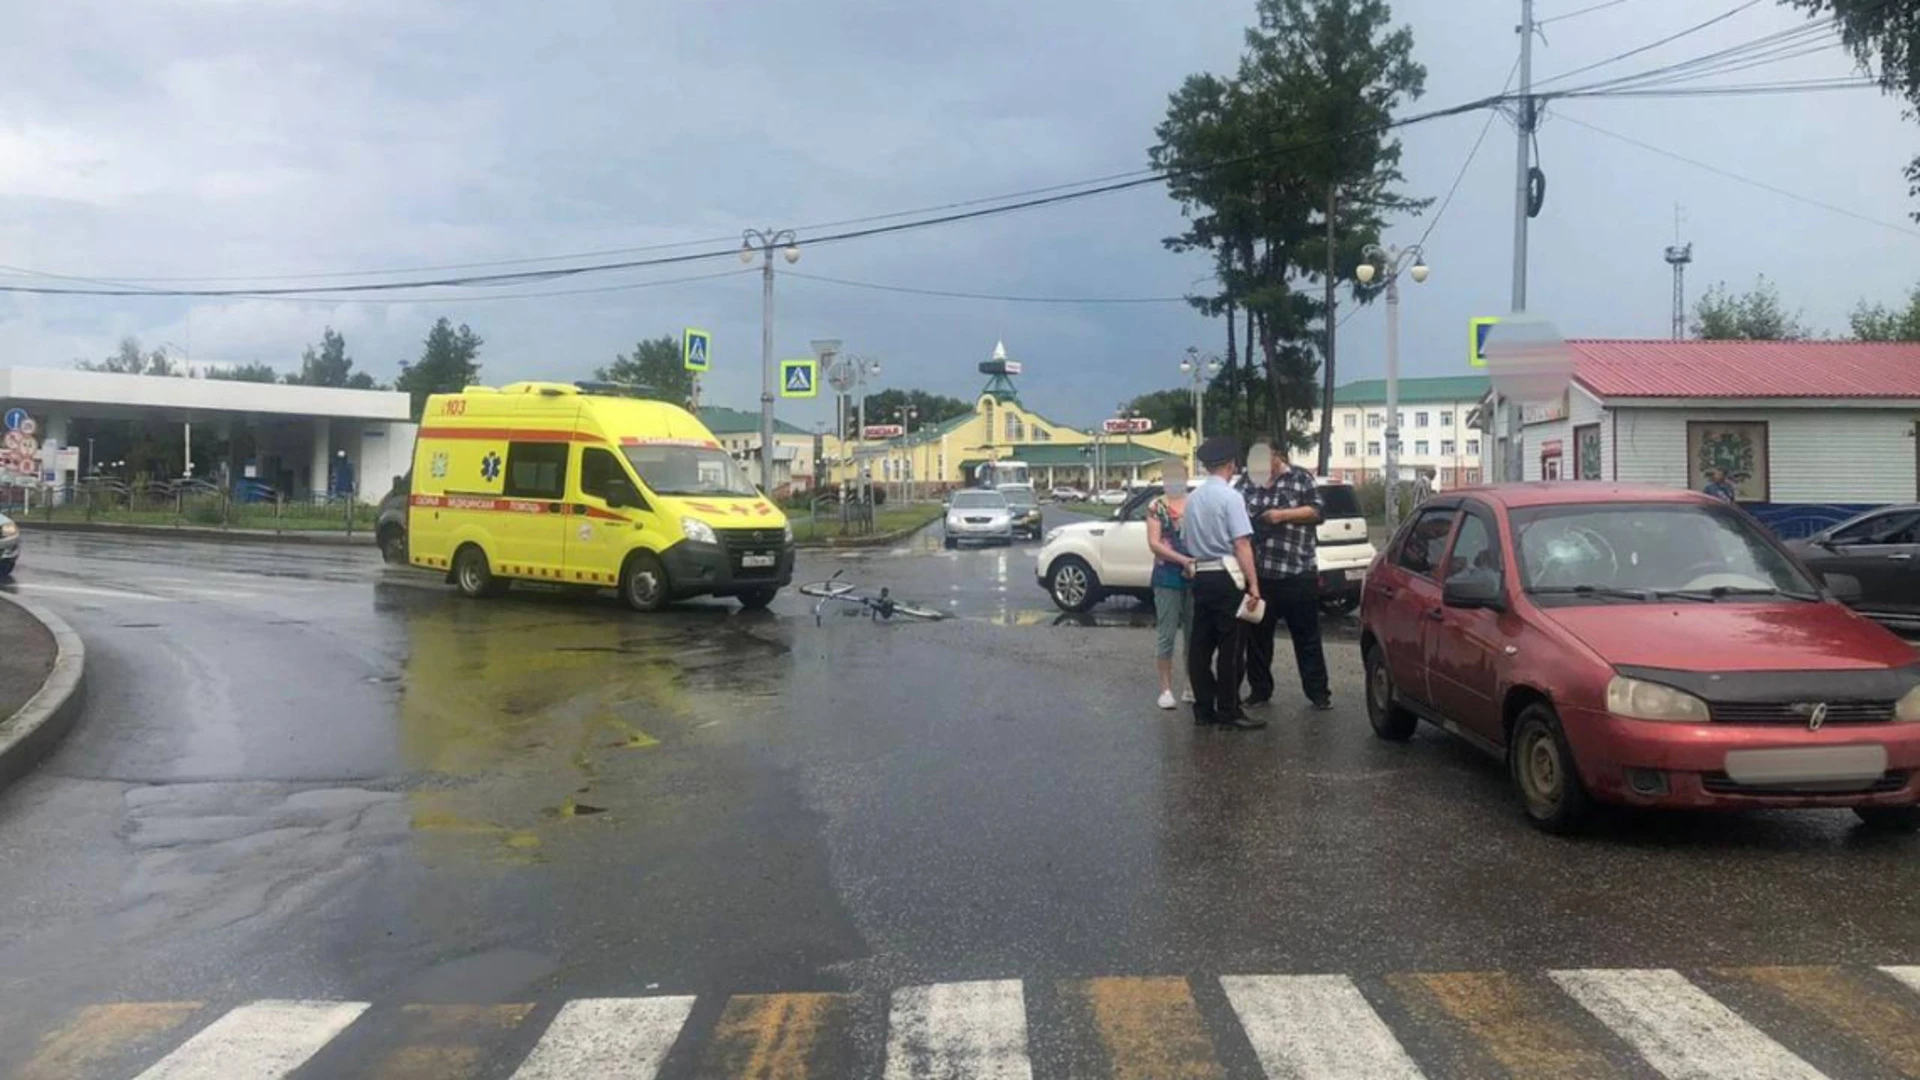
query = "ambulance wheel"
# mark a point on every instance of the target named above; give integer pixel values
(473, 576)
(756, 599)
(643, 583)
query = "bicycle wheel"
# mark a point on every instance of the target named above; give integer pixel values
(828, 590)
(912, 612)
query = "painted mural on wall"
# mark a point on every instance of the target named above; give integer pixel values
(1586, 451)
(1733, 450)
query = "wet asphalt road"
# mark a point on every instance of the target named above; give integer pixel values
(301, 774)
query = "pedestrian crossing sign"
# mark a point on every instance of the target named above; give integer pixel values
(1477, 332)
(695, 348)
(798, 378)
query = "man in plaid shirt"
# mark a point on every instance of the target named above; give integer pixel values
(1285, 507)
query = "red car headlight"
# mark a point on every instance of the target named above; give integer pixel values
(1639, 700)
(1907, 709)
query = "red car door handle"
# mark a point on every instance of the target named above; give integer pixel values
(1899, 556)
(1388, 591)
(1436, 614)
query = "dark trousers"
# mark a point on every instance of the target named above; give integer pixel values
(1295, 600)
(1214, 660)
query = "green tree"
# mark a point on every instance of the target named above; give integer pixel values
(329, 365)
(448, 363)
(1265, 164)
(655, 364)
(933, 408)
(128, 359)
(1755, 315)
(1880, 323)
(1884, 36)
(257, 373)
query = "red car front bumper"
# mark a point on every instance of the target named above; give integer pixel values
(1649, 763)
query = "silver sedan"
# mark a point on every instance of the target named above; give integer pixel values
(984, 516)
(9, 545)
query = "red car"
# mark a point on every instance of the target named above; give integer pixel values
(1638, 645)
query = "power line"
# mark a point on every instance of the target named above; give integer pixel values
(944, 293)
(1737, 177)
(1736, 90)
(1767, 49)
(483, 298)
(1078, 192)
(1576, 14)
(1669, 39)
(1434, 222)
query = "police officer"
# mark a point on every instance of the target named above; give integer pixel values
(1218, 535)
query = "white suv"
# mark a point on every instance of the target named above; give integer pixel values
(1084, 563)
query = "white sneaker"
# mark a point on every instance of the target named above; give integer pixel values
(1187, 695)
(1166, 699)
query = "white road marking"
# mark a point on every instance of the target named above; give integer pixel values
(959, 1031)
(1315, 1027)
(1680, 1029)
(259, 1041)
(607, 1039)
(81, 590)
(1908, 975)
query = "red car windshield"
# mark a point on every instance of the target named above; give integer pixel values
(1650, 549)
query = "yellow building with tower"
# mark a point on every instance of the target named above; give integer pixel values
(948, 454)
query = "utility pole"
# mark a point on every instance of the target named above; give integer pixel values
(1326, 390)
(1505, 459)
(765, 242)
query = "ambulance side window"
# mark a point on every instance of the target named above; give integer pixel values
(599, 468)
(536, 470)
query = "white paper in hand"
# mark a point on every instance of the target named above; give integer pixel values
(1252, 609)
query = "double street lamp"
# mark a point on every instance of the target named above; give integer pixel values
(1392, 261)
(763, 243)
(1199, 374)
(905, 415)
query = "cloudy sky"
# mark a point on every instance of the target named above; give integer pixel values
(293, 139)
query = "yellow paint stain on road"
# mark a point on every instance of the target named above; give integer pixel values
(1149, 1028)
(778, 1037)
(1512, 1021)
(445, 1042)
(100, 1035)
(1884, 1020)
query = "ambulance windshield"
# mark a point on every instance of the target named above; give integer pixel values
(687, 469)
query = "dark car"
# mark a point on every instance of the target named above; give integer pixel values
(390, 523)
(1638, 645)
(1881, 550)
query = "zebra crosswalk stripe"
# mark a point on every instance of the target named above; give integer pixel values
(1908, 975)
(608, 1039)
(1316, 1027)
(1680, 1029)
(959, 1031)
(261, 1041)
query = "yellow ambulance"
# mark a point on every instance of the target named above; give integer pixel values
(580, 485)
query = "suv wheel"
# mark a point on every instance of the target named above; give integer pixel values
(1544, 772)
(1072, 585)
(1390, 721)
(393, 545)
(756, 599)
(1339, 603)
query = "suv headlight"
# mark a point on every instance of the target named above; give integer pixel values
(1640, 700)
(1907, 709)
(8, 530)
(1052, 534)
(698, 531)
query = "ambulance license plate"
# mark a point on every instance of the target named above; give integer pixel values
(758, 562)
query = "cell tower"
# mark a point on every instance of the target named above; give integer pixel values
(1678, 256)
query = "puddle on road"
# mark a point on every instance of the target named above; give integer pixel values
(523, 723)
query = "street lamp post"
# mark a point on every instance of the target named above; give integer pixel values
(765, 242)
(1200, 375)
(1392, 260)
(905, 415)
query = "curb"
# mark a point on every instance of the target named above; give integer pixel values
(31, 733)
(882, 540)
(189, 532)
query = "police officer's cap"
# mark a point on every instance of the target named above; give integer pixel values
(1218, 451)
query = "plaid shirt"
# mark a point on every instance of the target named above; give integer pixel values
(1283, 550)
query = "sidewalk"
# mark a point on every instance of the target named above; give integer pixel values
(203, 532)
(27, 652)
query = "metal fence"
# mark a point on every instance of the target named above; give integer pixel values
(188, 503)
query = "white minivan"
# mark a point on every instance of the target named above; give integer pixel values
(1084, 563)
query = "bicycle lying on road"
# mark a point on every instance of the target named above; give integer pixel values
(884, 606)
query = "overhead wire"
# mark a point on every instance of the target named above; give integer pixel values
(1472, 152)
(1648, 47)
(1740, 178)
(1062, 194)
(1605, 4)
(1012, 299)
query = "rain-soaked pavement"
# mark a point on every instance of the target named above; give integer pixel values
(302, 775)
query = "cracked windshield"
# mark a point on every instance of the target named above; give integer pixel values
(1236, 540)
